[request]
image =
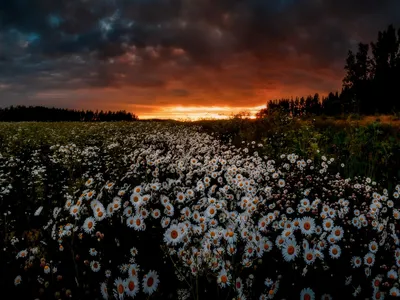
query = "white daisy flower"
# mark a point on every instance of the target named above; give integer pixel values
(119, 288)
(307, 225)
(131, 286)
(95, 266)
(150, 282)
(307, 294)
(335, 251)
(290, 250)
(104, 290)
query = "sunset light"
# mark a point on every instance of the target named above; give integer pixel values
(193, 113)
(178, 59)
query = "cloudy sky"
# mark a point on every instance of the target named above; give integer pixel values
(179, 58)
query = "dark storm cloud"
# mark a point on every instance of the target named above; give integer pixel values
(269, 44)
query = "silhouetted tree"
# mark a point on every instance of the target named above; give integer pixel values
(40, 113)
(357, 82)
(371, 83)
(386, 68)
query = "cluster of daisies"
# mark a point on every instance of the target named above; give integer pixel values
(223, 212)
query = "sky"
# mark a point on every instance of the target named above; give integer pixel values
(182, 59)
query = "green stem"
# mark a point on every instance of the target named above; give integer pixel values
(197, 287)
(5, 229)
(190, 286)
(73, 257)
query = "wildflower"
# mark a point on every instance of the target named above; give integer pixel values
(287, 233)
(150, 282)
(309, 256)
(394, 292)
(136, 222)
(136, 200)
(318, 230)
(131, 286)
(392, 274)
(230, 236)
(356, 261)
(133, 270)
(273, 290)
(104, 290)
(305, 202)
(89, 195)
(377, 294)
(369, 259)
(281, 183)
(146, 198)
(165, 222)
(268, 282)
(155, 186)
(120, 288)
(332, 213)
(89, 182)
(307, 225)
(46, 269)
(239, 284)
(68, 204)
(74, 210)
(95, 266)
(134, 251)
(138, 189)
(99, 214)
(279, 241)
(89, 225)
(22, 253)
(180, 197)
(376, 282)
(373, 247)
(156, 213)
(109, 185)
(307, 294)
(17, 280)
(211, 211)
(335, 251)
(130, 222)
(337, 233)
(223, 279)
(290, 250)
(128, 211)
(173, 235)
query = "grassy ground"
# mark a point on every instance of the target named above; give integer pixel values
(369, 146)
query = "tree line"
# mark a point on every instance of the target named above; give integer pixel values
(52, 114)
(370, 86)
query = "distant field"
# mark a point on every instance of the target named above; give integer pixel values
(365, 120)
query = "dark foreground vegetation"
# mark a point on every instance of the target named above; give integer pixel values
(60, 167)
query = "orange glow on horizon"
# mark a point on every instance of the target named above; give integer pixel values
(194, 113)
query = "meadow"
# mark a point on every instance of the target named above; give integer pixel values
(274, 208)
